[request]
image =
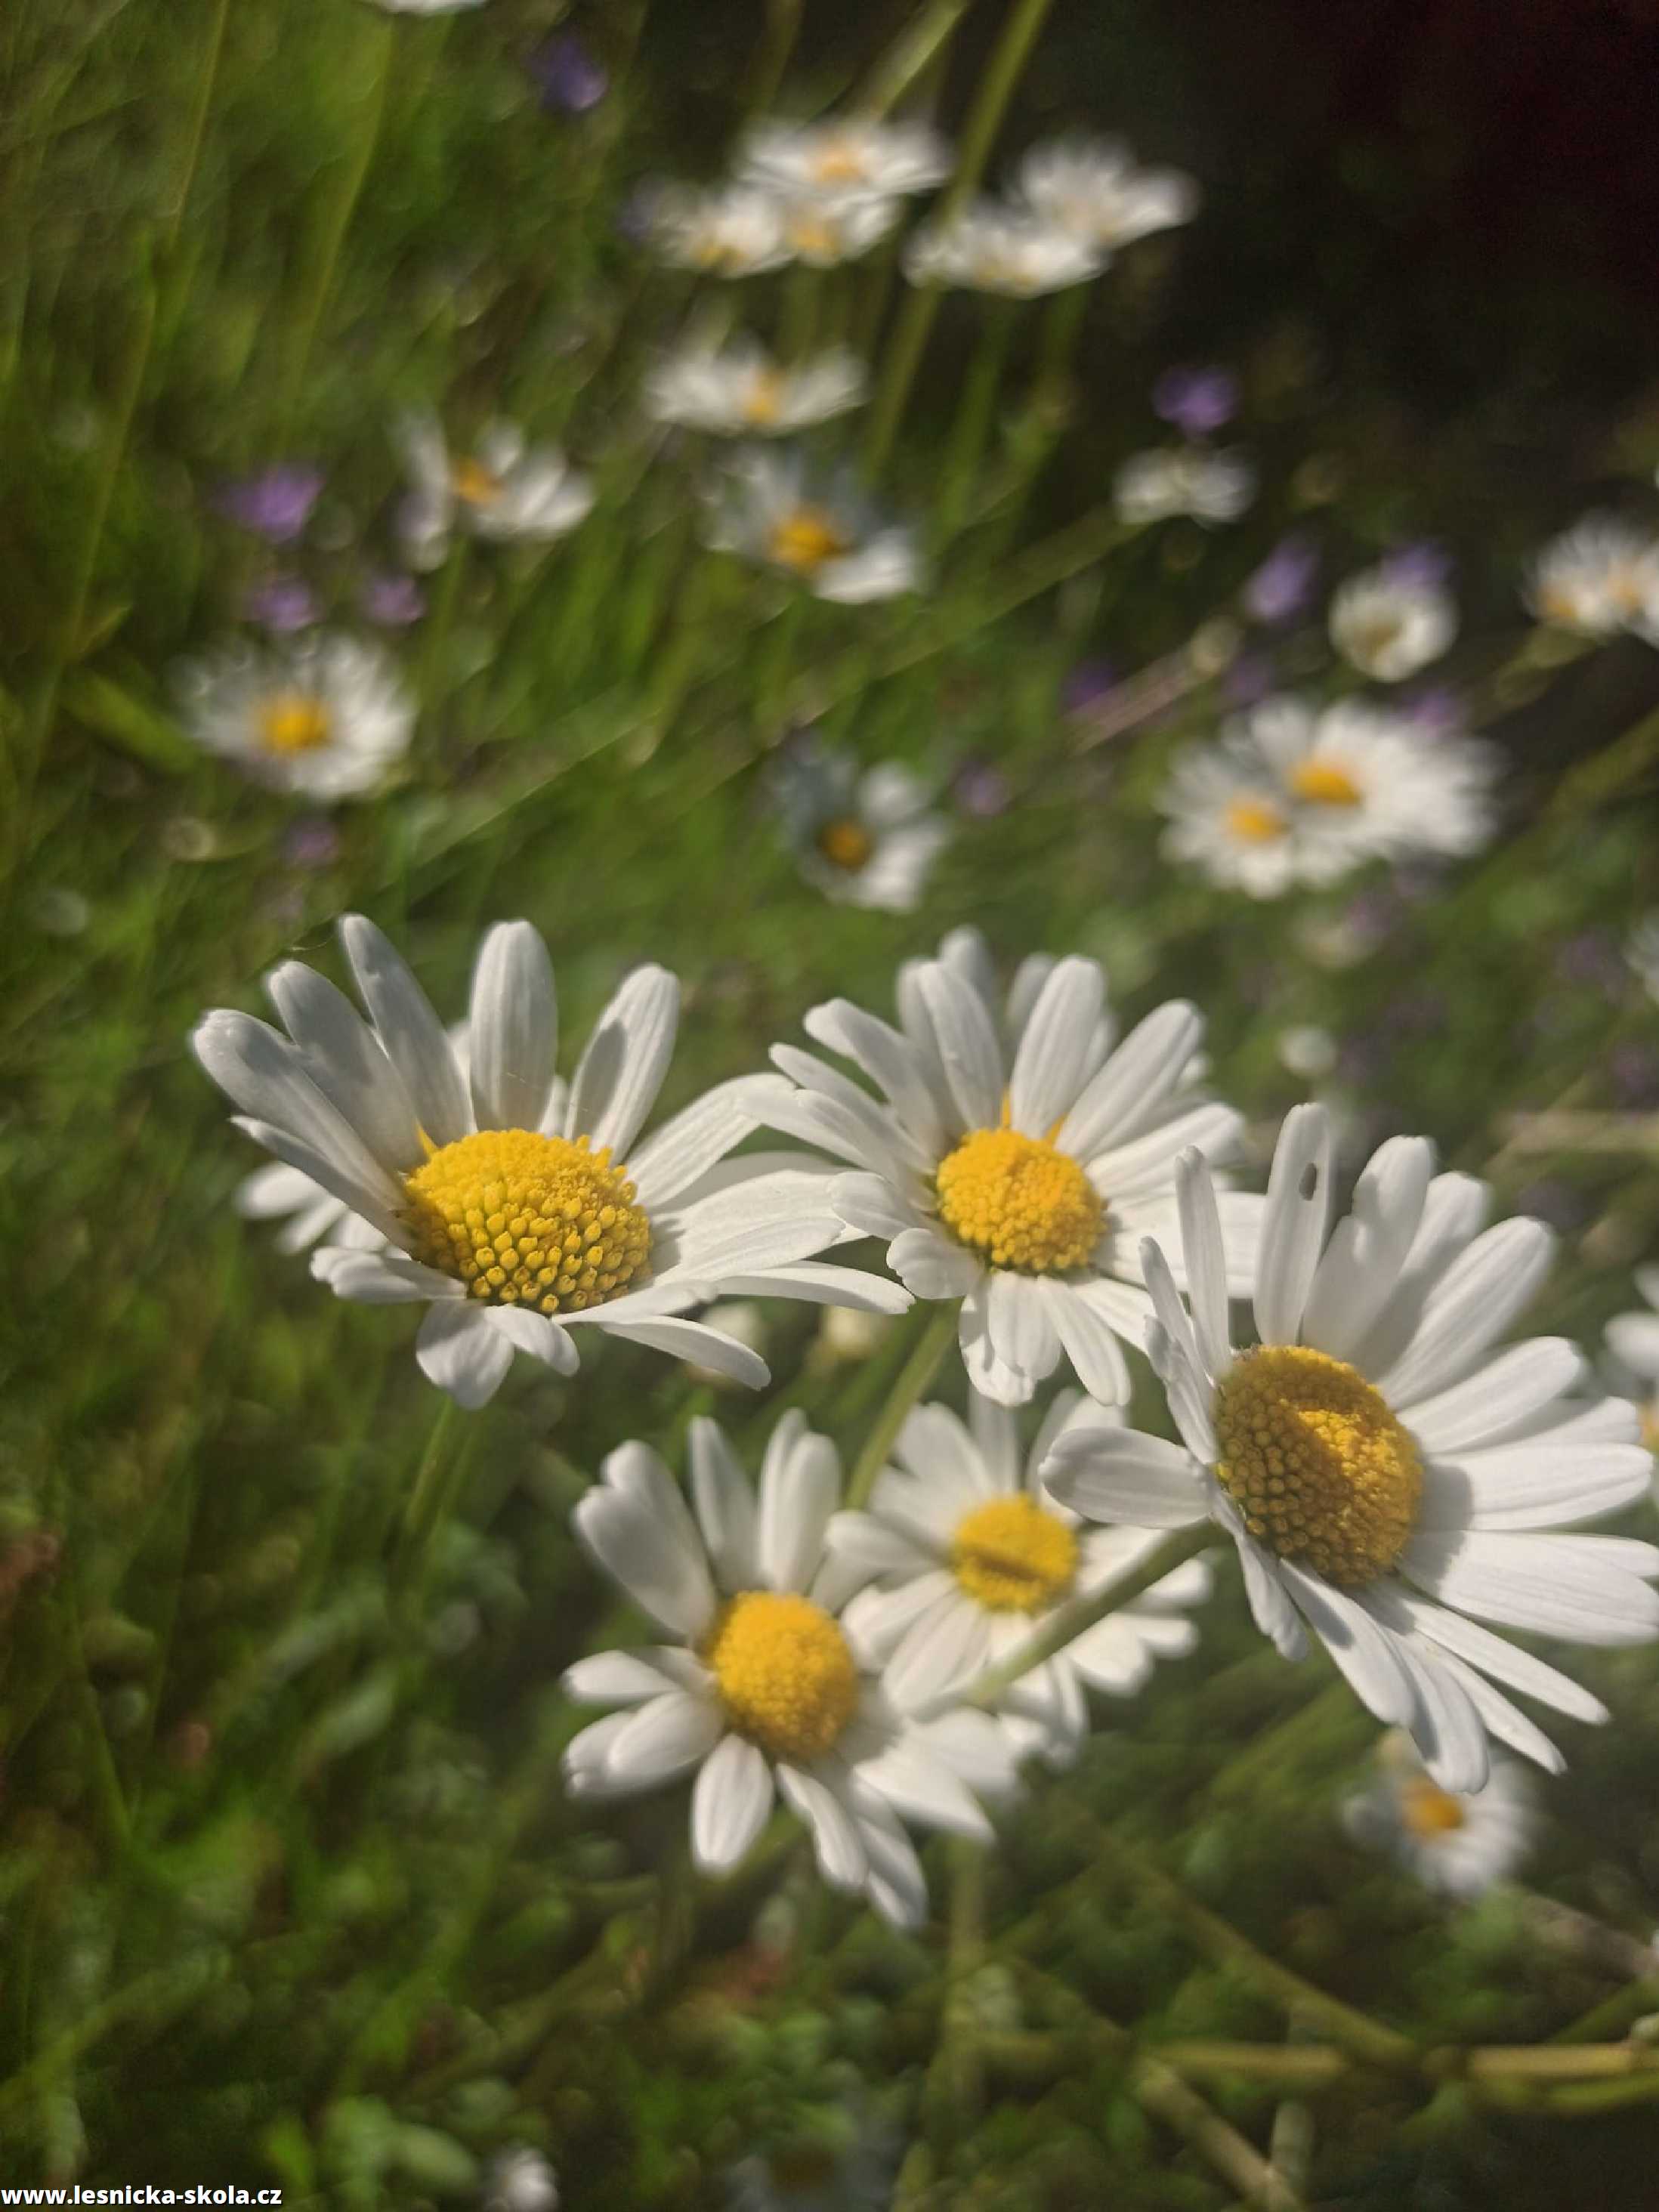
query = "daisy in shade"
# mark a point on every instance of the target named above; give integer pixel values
(1632, 1365)
(1205, 484)
(324, 715)
(824, 231)
(739, 389)
(823, 533)
(1017, 1176)
(726, 230)
(1390, 1480)
(974, 1559)
(764, 1691)
(863, 837)
(506, 489)
(1459, 1843)
(505, 1205)
(1390, 621)
(988, 247)
(844, 157)
(1093, 188)
(1598, 578)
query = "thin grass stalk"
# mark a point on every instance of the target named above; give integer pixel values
(975, 412)
(914, 1379)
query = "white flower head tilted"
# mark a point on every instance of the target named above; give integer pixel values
(973, 1560)
(1390, 1480)
(325, 716)
(823, 231)
(763, 1690)
(1597, 579)
(505, 490)
(501, 1195)
(739, 389)
(988, 247)
(723, 230)
(1093, 188)
(1205, 484)
(844, 158)
(864, 837)
(1020, 1178)
(1459, 1843)
(1388, 624)
(768, 508)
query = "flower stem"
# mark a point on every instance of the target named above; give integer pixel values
(913, 1378)
(974, 413)
(910, 56)
(431, 1501)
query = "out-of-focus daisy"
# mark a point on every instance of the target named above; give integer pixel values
(1191, 480)
(501, 1197)
(974, 1559)
(824, 232)
(848, 2166)
(1598, 578)
(740, 389)
(822, 532)
(1019, 1176)
(763, 1689)
(723, 230)
(1631, 1367)
(1389, 1479)
(846, 1335)
(520, 2181)
(864, 837)
(327, 715)
(844, 157)
(1458, 1843)
(988, 247)
(1091, 187)
(1307, 1051)
(1388, 624)
(505, 489)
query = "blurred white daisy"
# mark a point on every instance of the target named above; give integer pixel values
(844, 157)
(973, 1560)
(520, 2181)
(988, 247)
(846, 1335)
(505, 1207)
(1390, 1480)
(321, 714)
(823, 533)
(824, 231)
(723, 230)
(1459, 1843)
(1387, 625)
(505, 489)
(1600, 577)
(1022, 1189)
(763, 1689)
(1093, 188)
(1197, 481)
(864, 837)
(1632, 1365)
(739, 389)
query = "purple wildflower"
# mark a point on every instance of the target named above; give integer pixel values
(1088, 683)
(1420, 567)
(1281, 586)
(980, 787)
(281, 604)
(1196, 400)
(275, 505)
(392, 600)
(311, 843)
(571, 78)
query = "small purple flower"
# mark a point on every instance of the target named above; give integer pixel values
(1196, 400)
(391, 600)
(1420, 567)
(1281, 586)
(1248, 678)
(275, 504)
(571, 78)
(980, 787)
(281, 604)
(311, 843)
(1088, 683)
(1434, 710)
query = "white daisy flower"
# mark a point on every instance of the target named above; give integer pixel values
(1091, 187)
(1598, 578)
(739, 389)
(987, 247)
(1018, 1177)
(1390, 1480)
(763, 1689)
(507, 1209)
(846, 1335)
(864, 837)
(1207, 485)
(826, 535)
(824, 231)
(1459, 1843)
(521, 2181)
(723, 230)
(506, 489)
(974, 1559)
(321, 715)
(844, 157)
(1631, 1364)
(1389, 626)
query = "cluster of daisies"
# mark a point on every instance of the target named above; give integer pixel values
(1345, 1418)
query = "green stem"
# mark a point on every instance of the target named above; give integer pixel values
(441, 620)
(913, 1378)
(782, 28)
(910, 55)
(431, 1502)
(974, 413)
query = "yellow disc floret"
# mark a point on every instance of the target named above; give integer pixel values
(806, 538)
(294, 722)
(1324, 783)
(784, 1672)
(1019, 1201)
(1428, 1811)
(846, 844)
(1254, 821)
(1013, 1555)
(474, 484)
(1314, 1459)
(524, 1220)
(763, 401)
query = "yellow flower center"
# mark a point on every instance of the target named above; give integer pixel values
(784, 1672)
(1428, 1811)
(804, 539)
(1314, 1459)
(1013, 1556)
(1648, 1413)
(524, 1220)
(294, 722)
(840, 162)
(474, 484)
(1254, 821)
(764, 402)
(1561, 603)
(1629, 589)
(812, 234)
(846, 844)
(1324, 783)
(1019, 1201)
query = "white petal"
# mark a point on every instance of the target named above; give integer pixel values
(799, 1491)
(1368, 1247)
(1495, 1656)
(1204, 1261)
(621, 1070)
(1145, 1167)
(614, 1678)
(666, 1738)
(1362, 1648)
(920, 1787)
(898, 1888)
(691, 1340)
(943, 1650)
(888, 1057)
(364, 1199)
(1497, 1399)
(1455, 1210)
(1119, 1475)
(1507, 1722)
(264, 1075)
(836, 1844)
(381, 1279)
(690, 1142)
(537, 1334)
(459, 1351)
(821, 1284)
(730, 1805)
(930, 1267)
(1469, 1308)
(1081, 1315)
(867, 1547)
(1578, 1588)
(1022, 1328)
(1536, 1483)
(967, 1045)
(645, 1559)
(344, 1060)
(1264, 1587)
(870, 1204)
(413, 1036)
(1293, 1226)
(1135, 1082)
(987, 1371)
(1444, 1724)
(512, 1028)
(1052, 1062)
(725, 1500)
